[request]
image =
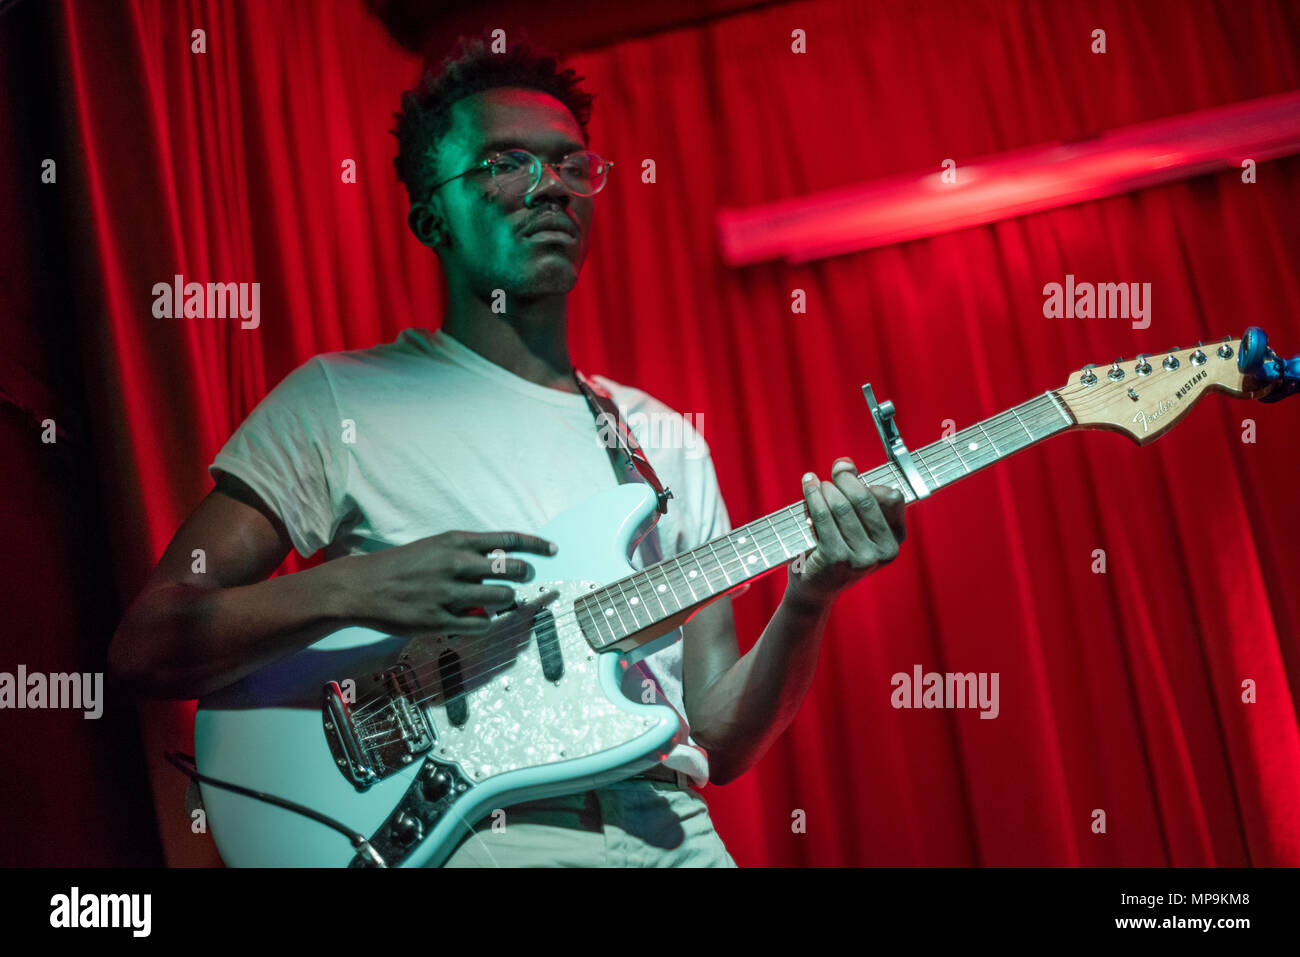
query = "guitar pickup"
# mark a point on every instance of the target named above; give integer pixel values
(414, 736)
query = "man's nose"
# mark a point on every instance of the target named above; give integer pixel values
(549, 187)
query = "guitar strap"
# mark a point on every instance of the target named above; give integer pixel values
(626, 454)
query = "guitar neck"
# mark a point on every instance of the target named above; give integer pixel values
(634, 609)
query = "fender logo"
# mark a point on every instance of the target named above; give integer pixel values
(1189, 383)
(1147, 418)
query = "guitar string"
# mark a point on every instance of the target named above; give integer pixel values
(1047, 412)
(786, 517)
(793, 515)
(1001, 426)
(1050, 414)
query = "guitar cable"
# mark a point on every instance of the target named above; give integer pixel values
(186, 765)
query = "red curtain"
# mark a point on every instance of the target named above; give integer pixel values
(1121, 692)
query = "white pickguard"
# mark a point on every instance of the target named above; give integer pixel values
(519, 719)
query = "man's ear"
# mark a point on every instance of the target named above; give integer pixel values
(426, 224)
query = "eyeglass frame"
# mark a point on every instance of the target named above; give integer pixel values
(486, 163)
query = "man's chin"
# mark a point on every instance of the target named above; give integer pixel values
(549, 280)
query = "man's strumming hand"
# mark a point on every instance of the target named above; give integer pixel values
(436, 583)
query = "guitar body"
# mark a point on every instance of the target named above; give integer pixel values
(517, 731)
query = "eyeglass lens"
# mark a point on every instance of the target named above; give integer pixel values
(582, 173)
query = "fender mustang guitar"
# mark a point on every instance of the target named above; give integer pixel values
(367, 749)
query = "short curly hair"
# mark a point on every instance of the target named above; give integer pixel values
(426, 109)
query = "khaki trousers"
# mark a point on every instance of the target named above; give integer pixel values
(633, 823)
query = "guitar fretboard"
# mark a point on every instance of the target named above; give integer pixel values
(633, 604)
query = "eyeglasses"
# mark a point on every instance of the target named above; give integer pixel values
(519, 172)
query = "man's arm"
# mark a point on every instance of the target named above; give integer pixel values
(189, 633)
(737, 706)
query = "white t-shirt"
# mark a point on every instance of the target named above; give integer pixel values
(442, 439)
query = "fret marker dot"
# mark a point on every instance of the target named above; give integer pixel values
(973, 446)
(609, 612)
(741, 539)
(663, 587)
(752, 559)
(633, 600)
(693, 573)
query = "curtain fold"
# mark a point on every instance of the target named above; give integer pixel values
(1121, 692)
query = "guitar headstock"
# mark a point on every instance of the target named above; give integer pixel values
(1144, 397)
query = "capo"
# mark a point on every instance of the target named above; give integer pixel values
(883, 415)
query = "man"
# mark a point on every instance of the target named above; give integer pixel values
(381, 455)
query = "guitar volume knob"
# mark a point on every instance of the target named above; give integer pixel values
(437, 782)
(406, 829)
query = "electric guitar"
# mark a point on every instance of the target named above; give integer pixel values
(368, 749)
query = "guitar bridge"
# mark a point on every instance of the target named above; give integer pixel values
(393, 733)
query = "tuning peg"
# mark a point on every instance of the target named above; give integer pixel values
(1115, 373)
(1143, 367)
(1171, 361)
